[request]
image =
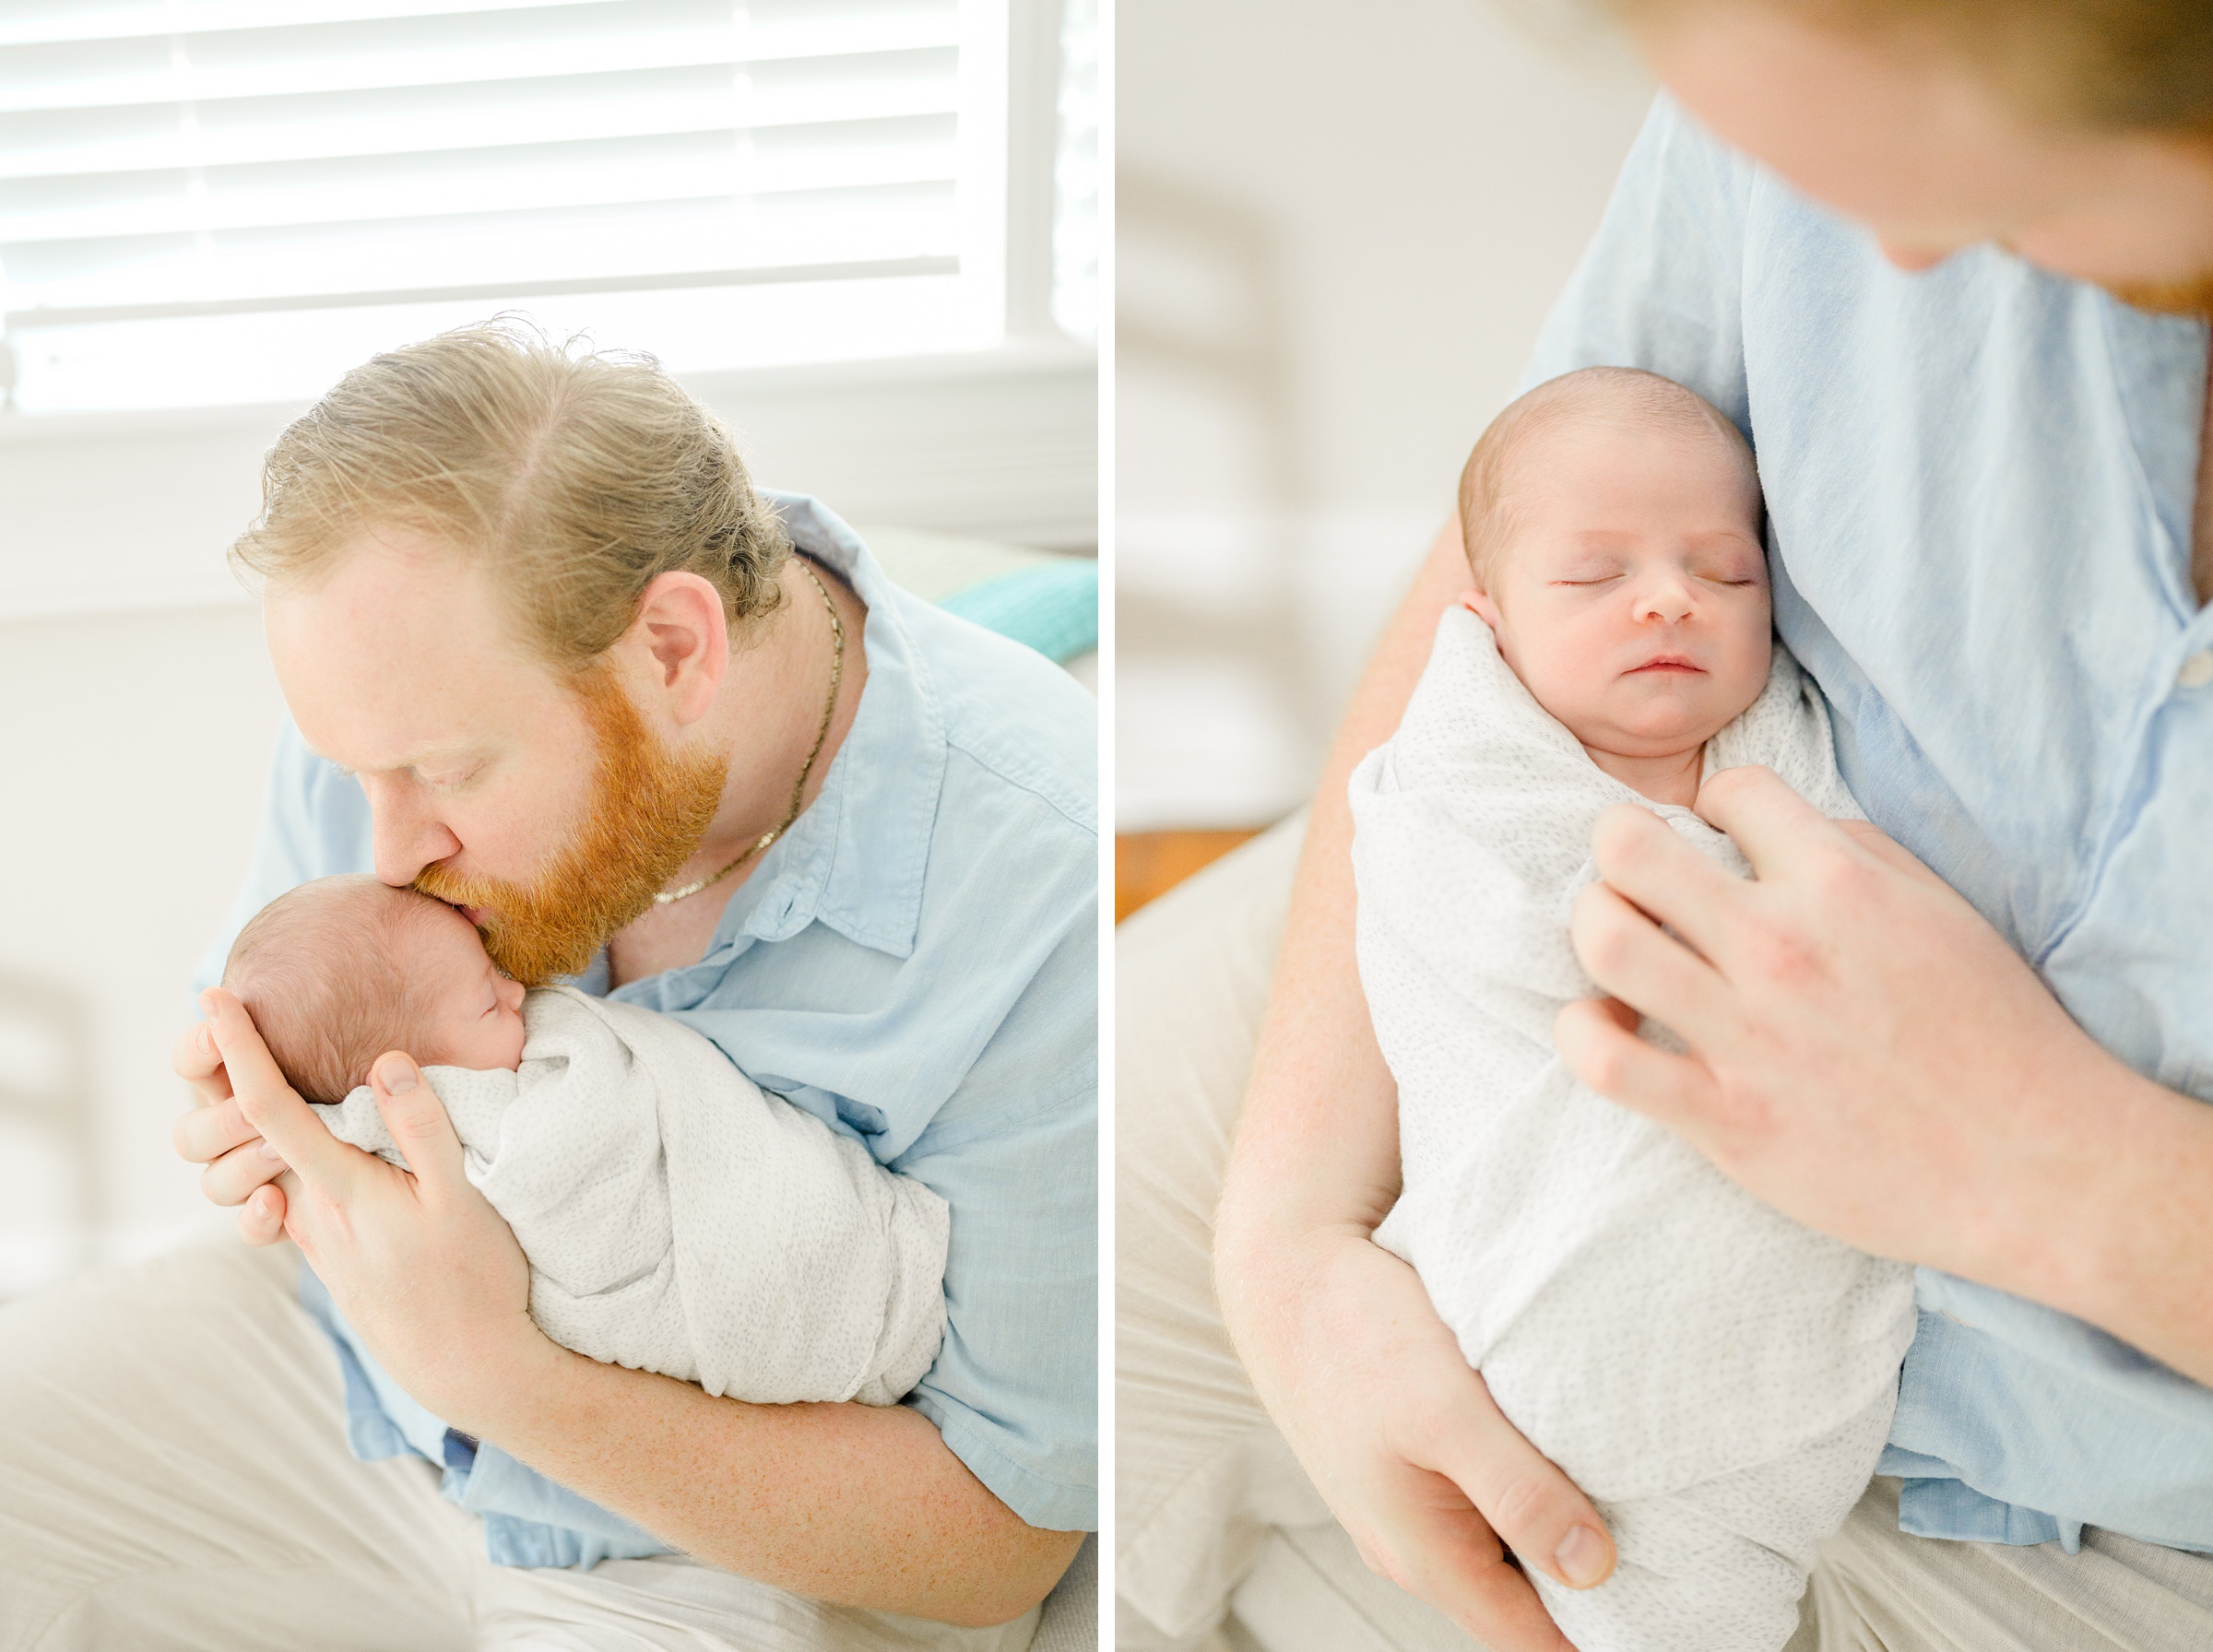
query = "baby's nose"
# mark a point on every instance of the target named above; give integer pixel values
(1669, 599)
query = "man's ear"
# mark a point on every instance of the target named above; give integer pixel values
(1479, 602)
(682, 630)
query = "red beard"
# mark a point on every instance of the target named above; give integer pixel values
(648, 811)
(2192, 296)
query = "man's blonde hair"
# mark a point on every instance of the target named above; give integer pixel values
(2125, 65)
(578, 477)
(1626, 393)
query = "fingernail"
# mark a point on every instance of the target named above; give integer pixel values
(207, 1040)
(1582, 1556)
(399, 1080)
(268, 1152)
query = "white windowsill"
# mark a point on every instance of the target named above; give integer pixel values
(133, 510)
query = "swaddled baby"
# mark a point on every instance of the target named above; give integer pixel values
(675, 1218)
(1716, 1379)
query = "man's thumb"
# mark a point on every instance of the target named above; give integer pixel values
(414, 1115)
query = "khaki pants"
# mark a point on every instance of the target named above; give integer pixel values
(174, 1477)
(1214, 1520)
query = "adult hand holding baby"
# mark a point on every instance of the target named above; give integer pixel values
(1868, 1056)
(420, 1263)
(1404, 1443)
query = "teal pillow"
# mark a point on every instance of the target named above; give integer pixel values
(1054, 608)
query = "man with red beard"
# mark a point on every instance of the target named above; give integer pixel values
(550, 657)
(1945, 265)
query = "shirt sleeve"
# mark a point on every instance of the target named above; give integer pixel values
(314, 822)
(1661, 286)
(1014, 1391)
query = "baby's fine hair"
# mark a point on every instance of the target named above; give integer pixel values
(319, 970)
(1629, 395)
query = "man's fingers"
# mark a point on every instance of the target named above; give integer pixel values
(418, 1120)
(1536, 1510)
(1642, 856)
(270, 1104)
(207, 1133)
(261, 1218)
(1773, 825)
(232, 1179)
(195, 1059)
(1473, 1585)
(1676, 1091)
(194, 1056)
(1629, 956)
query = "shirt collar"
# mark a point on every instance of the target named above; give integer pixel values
(855, 860)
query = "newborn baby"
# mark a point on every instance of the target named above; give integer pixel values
(1716, 1379)
(675, 1218)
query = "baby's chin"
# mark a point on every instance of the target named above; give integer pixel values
(1653, 731)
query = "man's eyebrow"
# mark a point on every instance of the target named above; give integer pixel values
(416, 759)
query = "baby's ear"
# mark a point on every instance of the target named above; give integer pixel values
(1479, 604)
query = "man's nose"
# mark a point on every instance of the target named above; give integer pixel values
(1911, 257)
(406, 838)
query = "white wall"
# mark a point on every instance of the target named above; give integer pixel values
(133, 747)
(1339, 225)
(138, 710)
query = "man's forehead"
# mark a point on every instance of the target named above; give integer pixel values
(398, 658)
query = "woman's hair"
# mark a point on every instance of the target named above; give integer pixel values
(2127, 65)
(576, 477)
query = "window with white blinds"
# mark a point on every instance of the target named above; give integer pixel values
(225, 200)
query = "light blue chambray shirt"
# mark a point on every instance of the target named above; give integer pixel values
(916, 963)
(1979, 481)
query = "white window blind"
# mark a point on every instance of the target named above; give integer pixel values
(1076, 174)
(210, 200)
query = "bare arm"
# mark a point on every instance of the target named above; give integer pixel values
(1339, 1336)
(1320, 1128)
(861, 1504)
(864, 1506)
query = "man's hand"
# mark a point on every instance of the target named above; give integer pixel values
(242, 1167)
(1866, 1053)
(1404, 1443)
(420, 1263)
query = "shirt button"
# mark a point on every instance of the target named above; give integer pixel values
(2197, 670)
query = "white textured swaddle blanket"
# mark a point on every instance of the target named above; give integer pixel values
(678, 1220)
(1716, 1379)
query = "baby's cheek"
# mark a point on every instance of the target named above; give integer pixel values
(518, 1036)
(1755, 654)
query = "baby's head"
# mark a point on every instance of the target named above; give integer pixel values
(1612, 524)
(338, 971)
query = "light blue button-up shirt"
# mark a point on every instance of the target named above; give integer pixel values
(1980, 482)
(916, 963)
